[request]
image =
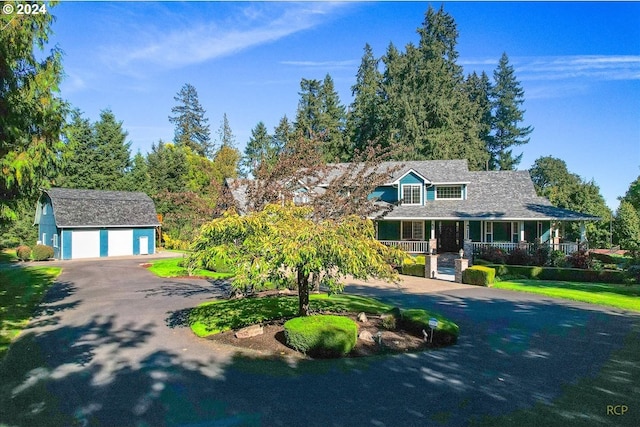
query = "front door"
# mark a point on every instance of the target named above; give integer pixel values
(449, 239)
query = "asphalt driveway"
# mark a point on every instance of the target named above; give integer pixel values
(109, 348)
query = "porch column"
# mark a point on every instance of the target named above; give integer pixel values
(521, 225)
(433, 243)
(583, 232)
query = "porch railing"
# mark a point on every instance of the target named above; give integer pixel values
(410, 246)
(566, 248)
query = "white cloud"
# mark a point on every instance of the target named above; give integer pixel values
(194, 41)
(592, 67)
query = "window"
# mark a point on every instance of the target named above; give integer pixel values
(300, 198)
(412, 230)
(44, 238)
(44, 209)
(515, 232)
(488, 232)
(449, 192)
(55, 240)
(411, 194)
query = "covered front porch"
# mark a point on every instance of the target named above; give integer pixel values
(439, 236)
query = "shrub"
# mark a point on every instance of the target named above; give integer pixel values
(604, 258)
(541, 255)
(322, 335)
(492, 254)
(389, 322)
(417, 320)
(23, 253)
(557, 259)
(413, 270)
(519, 256)
(176, 244)
(560, 274)
(42, 252)
(479, 275)
(579, 259)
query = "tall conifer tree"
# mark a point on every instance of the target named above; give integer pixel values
(189, 118)
(508, 97)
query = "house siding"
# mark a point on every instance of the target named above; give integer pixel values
(431, 193)
(47, 226)
(150, 233)
(386, 194)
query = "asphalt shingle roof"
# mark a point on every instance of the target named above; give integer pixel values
(96, 208)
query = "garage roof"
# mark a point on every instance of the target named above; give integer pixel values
(98, 208)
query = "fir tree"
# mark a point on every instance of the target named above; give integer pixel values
(189, 118)
(113, 155)
(259, 150)
(507, 98)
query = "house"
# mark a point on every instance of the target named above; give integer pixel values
(442, 206)
(94, 223)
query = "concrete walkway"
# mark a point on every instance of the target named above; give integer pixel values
(109, 348)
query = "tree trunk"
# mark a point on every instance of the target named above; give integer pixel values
(303, 293)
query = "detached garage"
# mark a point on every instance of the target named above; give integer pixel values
(93, 223)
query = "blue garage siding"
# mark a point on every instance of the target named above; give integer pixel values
(47, 226)
(150, 233)
(104, 242)
(66, 244)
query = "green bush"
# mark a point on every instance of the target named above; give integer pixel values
(42, 252)
(413, 270)
(322, 335)
(557, 259)
(23, 253)
(417, 320)
(562, 274)
(519, 256)
(479, 275)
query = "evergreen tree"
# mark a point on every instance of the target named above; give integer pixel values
(626, 227)
(227, 138)
(507, 96)
(365, 121)
(332, 123)
(138, 178)
(189, 118)
(79, 156)
(259, 150)
(309, 109)
(31, 112)
(113, 154)
(168, 168)
(283, 135)
(478, 90)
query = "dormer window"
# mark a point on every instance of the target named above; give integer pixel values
(412, 194)
(452, 192)
(44, 209)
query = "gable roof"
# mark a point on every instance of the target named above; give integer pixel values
(492, 195)
(98, 208)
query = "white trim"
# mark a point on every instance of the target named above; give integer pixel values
(420, 238)
(435, 195)
(71, 227)
(452, 183)
(470, 218)
(420, 189)
(397, 181)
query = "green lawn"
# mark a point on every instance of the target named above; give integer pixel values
(218, 316)
(170, 268)
(21, 290)
(620, 296)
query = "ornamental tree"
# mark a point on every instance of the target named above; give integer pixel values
(282, 244)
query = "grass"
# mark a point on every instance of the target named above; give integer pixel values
(626, 297)
(218, 316)
(171, 268)
(21, 290)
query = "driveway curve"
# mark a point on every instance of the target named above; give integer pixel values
(108, 347)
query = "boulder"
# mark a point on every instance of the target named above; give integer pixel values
(249, 331)
(362, 317)
(366, 336)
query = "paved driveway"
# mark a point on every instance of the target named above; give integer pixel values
(108, 349)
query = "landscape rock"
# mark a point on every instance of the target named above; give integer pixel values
(362, 317)
(249, 331)
(366, 336)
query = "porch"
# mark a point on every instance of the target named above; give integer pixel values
(422, 246)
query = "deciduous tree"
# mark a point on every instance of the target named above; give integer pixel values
(626, 227)
(281, 244)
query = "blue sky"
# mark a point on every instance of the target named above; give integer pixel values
(578, 63)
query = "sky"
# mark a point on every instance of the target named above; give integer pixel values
(578, 63)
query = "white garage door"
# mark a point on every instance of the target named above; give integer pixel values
(85, 244)
(120, 242)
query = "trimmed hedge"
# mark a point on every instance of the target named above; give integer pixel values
(42, 252)
(23, 253)
(417, 320)
(561, 274)
(479, 275)
(321, 335)
(413, 270)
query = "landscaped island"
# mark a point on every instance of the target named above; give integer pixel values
(366, 327)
